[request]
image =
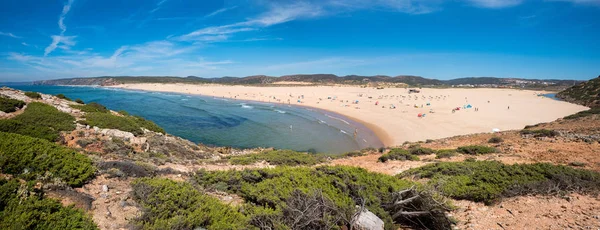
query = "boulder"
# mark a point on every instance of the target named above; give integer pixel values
(117, 133)
(366, 220)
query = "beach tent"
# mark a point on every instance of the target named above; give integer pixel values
(428, 104)
(469, 106)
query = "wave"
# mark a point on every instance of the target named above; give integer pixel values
(279, 111)
(322, 121)
(245, 106)
(342, 131)
(183, 99)
(337, 118)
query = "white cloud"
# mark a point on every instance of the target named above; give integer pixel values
(495, 4)
(66, 41)
(582, 2)
(9, 35)
(25, 44)
(219, 11)
(157, 6)
(61, 19)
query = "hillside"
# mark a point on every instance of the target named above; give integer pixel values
(124, 172)
(586, 93)
(321, 79)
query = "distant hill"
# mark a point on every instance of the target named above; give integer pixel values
(321, 79)
(586, 93)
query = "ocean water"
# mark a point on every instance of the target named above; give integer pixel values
(229, 122)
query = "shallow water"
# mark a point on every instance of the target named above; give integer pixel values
(228, 122)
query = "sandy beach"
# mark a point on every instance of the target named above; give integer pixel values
(393, 113)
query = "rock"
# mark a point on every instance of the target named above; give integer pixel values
(366, 220)
(117, 133)
(104, 188)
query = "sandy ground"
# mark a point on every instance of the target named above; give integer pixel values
(504, 109)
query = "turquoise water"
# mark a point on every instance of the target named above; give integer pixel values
(227, 122)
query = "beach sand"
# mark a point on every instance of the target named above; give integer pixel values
(396, 125)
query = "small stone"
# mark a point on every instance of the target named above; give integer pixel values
(104, 188)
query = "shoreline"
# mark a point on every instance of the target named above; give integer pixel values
(373, 132)
(391, 113)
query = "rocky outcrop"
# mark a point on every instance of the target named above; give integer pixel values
(366, 220)
(586, 93)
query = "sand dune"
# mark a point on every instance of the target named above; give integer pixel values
(395, 126)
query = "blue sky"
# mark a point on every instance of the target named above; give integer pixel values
(431, 38)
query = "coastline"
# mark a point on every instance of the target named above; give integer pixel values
(400, 124)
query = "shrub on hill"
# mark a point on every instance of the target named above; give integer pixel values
(33, 95)
(79, 101)
(418, 150)
(273, 192)
(30, 158)
(585, 113)
(39, 120)
(278, 157)
(9, 105)
(124, 123)
(539, 132)
(495, 140)
(92, 107)
(167, 204)
(398, 154)
(476, 150)
(445, 153)
(488, 181)
(62, 96)
(20, 211)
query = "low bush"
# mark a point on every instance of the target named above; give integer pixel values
(418, 150)
(476, 150)
(127, 168)
(495, 140)
(445, 153)
(124, 123)
(39, 120)
(167, 204)
(9, 105)
(33, 95)
(585, 113)
(398, 154)
(278, 157)
(488, 181)
(62, 96)
(539, 132)
(335, 191)
(351, 154)
(35, 212)
(30, 158)
(79, 101)
(92, 107)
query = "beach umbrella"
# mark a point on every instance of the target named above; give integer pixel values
(495, 130)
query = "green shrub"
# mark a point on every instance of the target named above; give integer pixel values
(167, 204)
(62, 96)
(9, 105)
(398, 154)
(33, 95)
(36, 212)
(92, 107)
(79, 101)
(277, 157)
(488, 181)
(418, 150)
(476, 150)
(30, 158)
(586, 113)
(123, 123)
(539, 132)
(341, 187)
(445, 153)
(351, 154)
(495, 140)
(39, 120)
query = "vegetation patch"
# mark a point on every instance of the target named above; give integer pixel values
(167, 204)
(418, 150)
(274, 196)
(488, 181)
(445, 153)
(278, 157)
(21, 209)
(586, 113)
(79, 101)
(33, 95)
(495, 140)
(132, 124)
(476, 150)
(62, 96)
(30, 158)
(9, 105)
(92, 107)
(39, 120)
(539, 132)
(398, 154)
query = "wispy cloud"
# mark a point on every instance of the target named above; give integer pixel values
(9, 35)
(25, 44)
(582, 2)
(219, 11)
(64, 42)
(495, 4)
(158, 5)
